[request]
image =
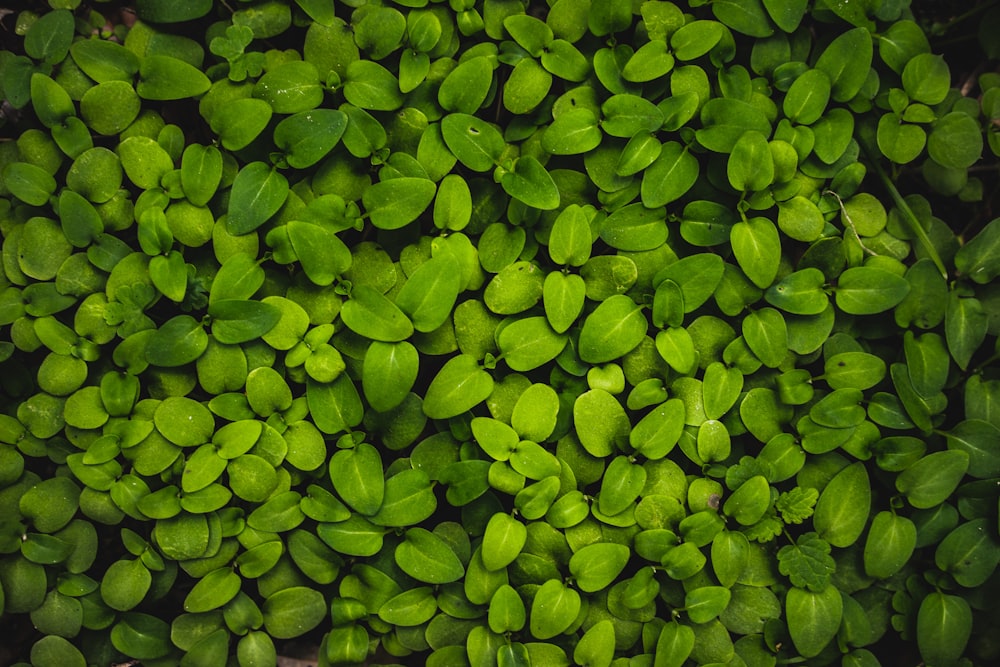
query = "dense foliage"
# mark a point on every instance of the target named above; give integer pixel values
(493, 332)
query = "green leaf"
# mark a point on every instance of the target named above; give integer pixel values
(429, 294)
(926, 79)
(410, 608)
(865, 290)
(955, 141)
(240, 122)
(104, 60)
(290, 87)
(900, 142)
(622, 483)
(529, 342)
(847, 60)
(369, 85)
(854, 370)
(614, 329)
(236, 321)
(553, 609)
(976, 438)
(531, 184)
(573, 132)
(813, 618)
(766, 334)
(965, 327)
(459, 386)
(978, 258)
(335, 406)
(52, 650)
(944, 625)
(656, 434)
(50, 36)
(725, 120)
(388, 373)
(526, 86)
(466, 87)
(969, 553)
(125, 584)
(370, 314)
(169, 275)
(257, 193)
(807, 563)
(174, 12)
(696, 38)
(397, 202)
(600, 422)
(807, 97)
(163, 78)
(307, 137)
(890, 543)
(408, 500)
(503, 541)
(476, 143)
(141, 636)
(357, 477)
(179, 341)
(427, 558)
(650, 61)
(293, 611)
(757, 248)
(453, 204)
(51, 102)
(748, 18)
(201, 173)
(751, 166)
(674, 644)
(596, 566)
(799, 293)
(843, 507)
(213, 590)
(706, 603)
(29, 183)
(670, 176)
(625, 115)
(563, 296)
(933, 478)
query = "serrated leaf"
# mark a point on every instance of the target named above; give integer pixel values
(807, 563)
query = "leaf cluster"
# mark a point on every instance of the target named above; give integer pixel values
(498, 332)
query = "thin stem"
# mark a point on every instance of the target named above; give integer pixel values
(909, 216)
(969, 14)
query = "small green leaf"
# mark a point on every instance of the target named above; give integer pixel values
(843, 507)
(865, 290)
(757, 248)
(553, 609)
(596, 566)
(531, 184)
(944, 625)
(293, 611)
(813, 618)
(357, 477)
(163, 78)
(459, 386)
(614, 329)
(398, 202)
(890, 543)
(933, 478)
(257, 193)
(427, 558)
(372, 315)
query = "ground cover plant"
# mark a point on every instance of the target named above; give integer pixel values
(493, 332)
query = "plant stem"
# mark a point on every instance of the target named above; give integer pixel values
(909, 216)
